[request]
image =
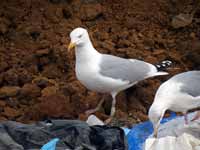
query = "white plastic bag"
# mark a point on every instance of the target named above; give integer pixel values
(93, 120)
(175, 135)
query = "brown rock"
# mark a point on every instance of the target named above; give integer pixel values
(195, 46)
(56, 106)
(78, 101)
(32, 69)
(149, 43)
(122, 101)
(131, 52)
(9, 91)
(90, 1)
(52, 71)
(3, 65)
(66, 13)
(13, 102)
(92, 99)
(1, 109)
(44, 61)
(130, 22)
(11, 77)
(55, 1)
(10, 112)
(30, 60)
(182, 20)
(107, 104)
(53, 14)
(142, 116)
(24, 76)
(121, 50)
(50, 90)
(135, 104)
(2, 103)
(44, 82)
(101, 36)
(3, 28)
(4, 25)
(106, 45)
(192, 35)
(16, 76)
(90, 11)
(123, 43)
(30, 90)
(151, 59)
(44, 45)
(42, 52)
(122, 115)
(60, 1)
(191, 50)
(159, 52)
(3, 118)
(74, 87)
(1, 78)
(83, 117)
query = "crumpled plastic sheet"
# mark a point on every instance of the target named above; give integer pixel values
(140, 132)
(176, 135)
(173, 135)
(73, 135)
(182, 142)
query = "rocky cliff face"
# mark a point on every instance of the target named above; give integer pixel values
(37, 76)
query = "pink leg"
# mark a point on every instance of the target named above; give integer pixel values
(91, 111)
(185, 118)
(197, 116)
(155, 133)
(108, 121)
(113, 109)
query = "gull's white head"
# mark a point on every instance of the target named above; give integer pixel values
(79, 37)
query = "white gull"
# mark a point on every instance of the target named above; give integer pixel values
(107, 73)
(179, 94)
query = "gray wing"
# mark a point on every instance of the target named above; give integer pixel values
(124, 69)
(191, 82)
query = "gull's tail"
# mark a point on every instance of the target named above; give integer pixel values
(162, 66)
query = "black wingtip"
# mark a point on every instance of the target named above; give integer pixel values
(162, 66)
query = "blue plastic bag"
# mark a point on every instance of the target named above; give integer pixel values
(51, 145)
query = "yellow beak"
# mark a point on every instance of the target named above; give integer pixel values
(71, 45)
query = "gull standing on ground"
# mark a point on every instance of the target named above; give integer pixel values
(107, 73)
(179, 94)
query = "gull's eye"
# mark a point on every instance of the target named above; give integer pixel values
(79, 36)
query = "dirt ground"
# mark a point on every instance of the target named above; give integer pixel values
(37, 79)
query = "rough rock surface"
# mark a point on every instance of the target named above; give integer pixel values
(37, 79)
(9, 91)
